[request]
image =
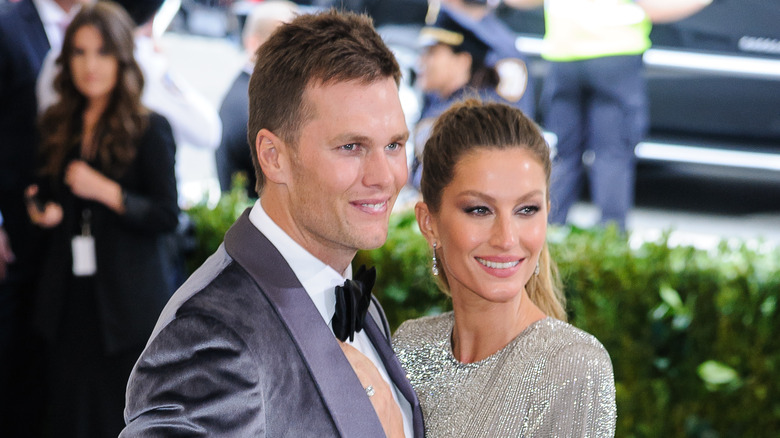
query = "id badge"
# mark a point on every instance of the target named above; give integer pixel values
(84, 261)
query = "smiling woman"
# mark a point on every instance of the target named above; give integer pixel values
(504, 362)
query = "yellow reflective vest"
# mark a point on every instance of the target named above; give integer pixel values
(584, 29)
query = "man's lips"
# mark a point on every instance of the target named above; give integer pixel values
(371, 205)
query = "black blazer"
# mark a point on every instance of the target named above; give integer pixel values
(234, 153)
(132, 266)
(23, 45)
(241, 351)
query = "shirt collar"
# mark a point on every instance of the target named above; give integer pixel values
(51, 13)
(317, 278)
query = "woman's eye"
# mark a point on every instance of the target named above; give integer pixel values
(528, 210)
(478, 211)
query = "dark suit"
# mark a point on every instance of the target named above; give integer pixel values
(242, 351)
(97, 325)
(234, 153)
(23, 45)
(131, 279)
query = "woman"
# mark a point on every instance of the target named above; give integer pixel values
(107, 195)
(462, 57)
(504, 362)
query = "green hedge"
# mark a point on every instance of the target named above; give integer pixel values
(692, 333)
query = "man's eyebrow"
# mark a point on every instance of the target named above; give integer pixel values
(350, 137)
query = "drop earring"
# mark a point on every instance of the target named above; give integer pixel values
(435, 265)
(536, 269)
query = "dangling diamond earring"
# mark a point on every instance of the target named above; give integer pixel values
(435, 266)
(536, 269)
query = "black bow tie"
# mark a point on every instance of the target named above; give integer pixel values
(352, 300)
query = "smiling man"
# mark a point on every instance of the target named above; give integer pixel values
(246, 347)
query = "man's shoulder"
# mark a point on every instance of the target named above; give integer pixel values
(220, 288)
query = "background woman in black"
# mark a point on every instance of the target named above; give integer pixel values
(107, 195)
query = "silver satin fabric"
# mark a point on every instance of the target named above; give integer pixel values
(553, 380)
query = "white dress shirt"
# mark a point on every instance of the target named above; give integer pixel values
(320, 280)
(54, 20)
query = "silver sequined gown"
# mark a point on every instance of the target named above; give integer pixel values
(553, 380)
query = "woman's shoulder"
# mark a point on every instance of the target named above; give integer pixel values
(423, 330)
(570, 346)
(157, 121)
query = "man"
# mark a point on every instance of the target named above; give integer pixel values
(244, 348)
(233, 154)
(28, 29)
(595, 97)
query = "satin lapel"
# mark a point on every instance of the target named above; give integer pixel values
(395, 371)
(338, 385)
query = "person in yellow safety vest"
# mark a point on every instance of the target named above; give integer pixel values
(594, 96)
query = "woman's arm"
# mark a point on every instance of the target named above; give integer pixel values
(665, 11)
(151, 203)
(87, 183)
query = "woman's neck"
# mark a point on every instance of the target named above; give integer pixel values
(481, 329)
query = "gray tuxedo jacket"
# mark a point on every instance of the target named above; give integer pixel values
(241, 351)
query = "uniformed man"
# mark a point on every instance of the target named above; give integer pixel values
(594, 97)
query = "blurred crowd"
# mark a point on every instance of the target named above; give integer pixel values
(92, 118)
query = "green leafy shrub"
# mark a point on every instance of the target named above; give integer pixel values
(210, 222)
(692, 334)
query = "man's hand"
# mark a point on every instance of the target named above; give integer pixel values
(384, 404)
(6, 255)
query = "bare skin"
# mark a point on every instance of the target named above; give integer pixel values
(384, 404)
(658, 11)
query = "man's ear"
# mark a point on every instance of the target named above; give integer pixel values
(426, 222)
(273, 156)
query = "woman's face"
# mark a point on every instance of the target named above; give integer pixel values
(443, 71)
(492, 224)
(94, 70)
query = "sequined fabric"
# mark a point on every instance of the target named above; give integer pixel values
(553, 380)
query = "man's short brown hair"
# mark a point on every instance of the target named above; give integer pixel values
(316, 49)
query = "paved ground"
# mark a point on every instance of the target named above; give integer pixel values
(701, 210)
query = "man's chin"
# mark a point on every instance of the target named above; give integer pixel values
(372, 240)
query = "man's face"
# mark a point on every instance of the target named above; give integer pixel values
(347, 169)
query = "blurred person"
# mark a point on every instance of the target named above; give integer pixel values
(234, 153)
(194, 120)
(267, 338)
(594, 97)
(462, 57)
(28, 29)
(504, 362)
(106, 194)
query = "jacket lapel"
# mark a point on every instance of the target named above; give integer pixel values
(337, 384)
(395, 371)
(34, 28)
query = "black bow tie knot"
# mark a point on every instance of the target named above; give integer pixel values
(352, 301)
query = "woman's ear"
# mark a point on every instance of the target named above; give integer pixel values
(272, 154)
(426, 222)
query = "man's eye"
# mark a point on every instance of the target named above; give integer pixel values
(394, 146)
(350, 147)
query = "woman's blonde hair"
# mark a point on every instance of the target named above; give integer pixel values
(471, 125)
